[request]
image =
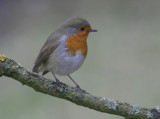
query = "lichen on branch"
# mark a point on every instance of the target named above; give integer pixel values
(15, 71)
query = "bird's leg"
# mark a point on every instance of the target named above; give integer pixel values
(57, 81)
(77, 86)
(74, 82)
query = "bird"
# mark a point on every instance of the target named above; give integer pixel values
(65, 49)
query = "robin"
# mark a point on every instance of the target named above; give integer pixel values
(65, 50)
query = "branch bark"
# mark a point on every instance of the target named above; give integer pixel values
(10, 68)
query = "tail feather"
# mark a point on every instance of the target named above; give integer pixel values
(38, 69)
(35, 69)
(44, 73)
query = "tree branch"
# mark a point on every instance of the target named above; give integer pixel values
(14, 70)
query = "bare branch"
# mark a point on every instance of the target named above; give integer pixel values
(14, 70)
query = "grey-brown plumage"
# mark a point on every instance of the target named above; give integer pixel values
(54, 56)
(50, 45)
(53, 41)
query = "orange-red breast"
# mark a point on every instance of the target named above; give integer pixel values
(65, 49)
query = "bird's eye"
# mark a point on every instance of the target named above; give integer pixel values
(82, 28)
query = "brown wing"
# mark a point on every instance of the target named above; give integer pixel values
(50, 45)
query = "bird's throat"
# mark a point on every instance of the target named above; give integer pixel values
(77, 43)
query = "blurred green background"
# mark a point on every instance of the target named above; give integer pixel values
(122, 62)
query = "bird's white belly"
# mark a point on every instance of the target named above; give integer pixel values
(63, 63)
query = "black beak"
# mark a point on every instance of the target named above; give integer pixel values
(93, 30)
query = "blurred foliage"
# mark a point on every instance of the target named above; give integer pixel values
(122, 62)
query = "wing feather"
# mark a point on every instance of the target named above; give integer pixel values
(49, 47)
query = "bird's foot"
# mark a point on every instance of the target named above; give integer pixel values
(79, 89)
(58, 82)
